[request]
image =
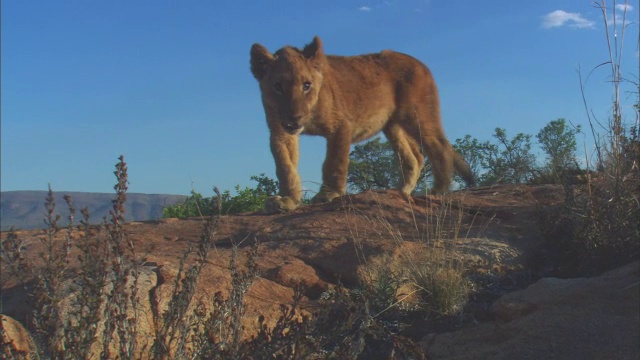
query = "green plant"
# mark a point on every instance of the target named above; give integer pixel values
(470, 149)
(245, 200)
(559, 145)
(380, 284)
(510, 161)
(374, 165)
(194, 205)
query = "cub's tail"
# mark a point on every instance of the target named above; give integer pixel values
(463, 169)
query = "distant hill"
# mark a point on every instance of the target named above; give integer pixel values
(25, 209)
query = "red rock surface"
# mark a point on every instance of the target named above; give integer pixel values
(321, 245)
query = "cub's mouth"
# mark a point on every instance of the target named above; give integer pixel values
(292, 128)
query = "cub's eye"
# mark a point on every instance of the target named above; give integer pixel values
(278, 88)
(306, 86)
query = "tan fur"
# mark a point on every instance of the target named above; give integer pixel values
(348, 100)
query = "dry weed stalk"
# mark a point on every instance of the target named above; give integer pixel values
(174, 326)
(69, 303)
(598, 229)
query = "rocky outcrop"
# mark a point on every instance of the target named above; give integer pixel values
(16, 340)
(563, 319)
(495, 232)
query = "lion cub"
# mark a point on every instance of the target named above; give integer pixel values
(348, 99)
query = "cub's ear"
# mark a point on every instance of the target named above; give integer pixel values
(314, 49)
(260, 60)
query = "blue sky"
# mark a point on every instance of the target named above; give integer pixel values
(167, 83)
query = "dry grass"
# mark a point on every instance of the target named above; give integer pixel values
(424, 276)
(598, 227)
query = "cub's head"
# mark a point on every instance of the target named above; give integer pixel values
(290, 82)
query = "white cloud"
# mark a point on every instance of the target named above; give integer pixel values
(416, 6)
(620, 14)
(562, 18)
(622, 7)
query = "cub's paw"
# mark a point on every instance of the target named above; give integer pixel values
(408, 196)
(279, 204)
(325, 197)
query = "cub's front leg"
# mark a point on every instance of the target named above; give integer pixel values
(334, 169)
(285, 150)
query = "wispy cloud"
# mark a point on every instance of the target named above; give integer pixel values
(622, 7)
(415, 6)
(620, 14)
(560, 18)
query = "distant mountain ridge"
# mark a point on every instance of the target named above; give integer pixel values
(25, 209)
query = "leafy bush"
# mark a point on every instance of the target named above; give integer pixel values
(245, 200)
(510, 161)
(194, 205)
(374, 165)
(559, 145)
(469, 148)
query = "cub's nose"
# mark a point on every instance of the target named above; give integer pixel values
(294, 122)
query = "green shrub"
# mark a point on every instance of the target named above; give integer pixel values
(245, 200)
(194, 205)
(558, 142)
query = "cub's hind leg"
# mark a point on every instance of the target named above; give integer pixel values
(411, 159)
(440, 153)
